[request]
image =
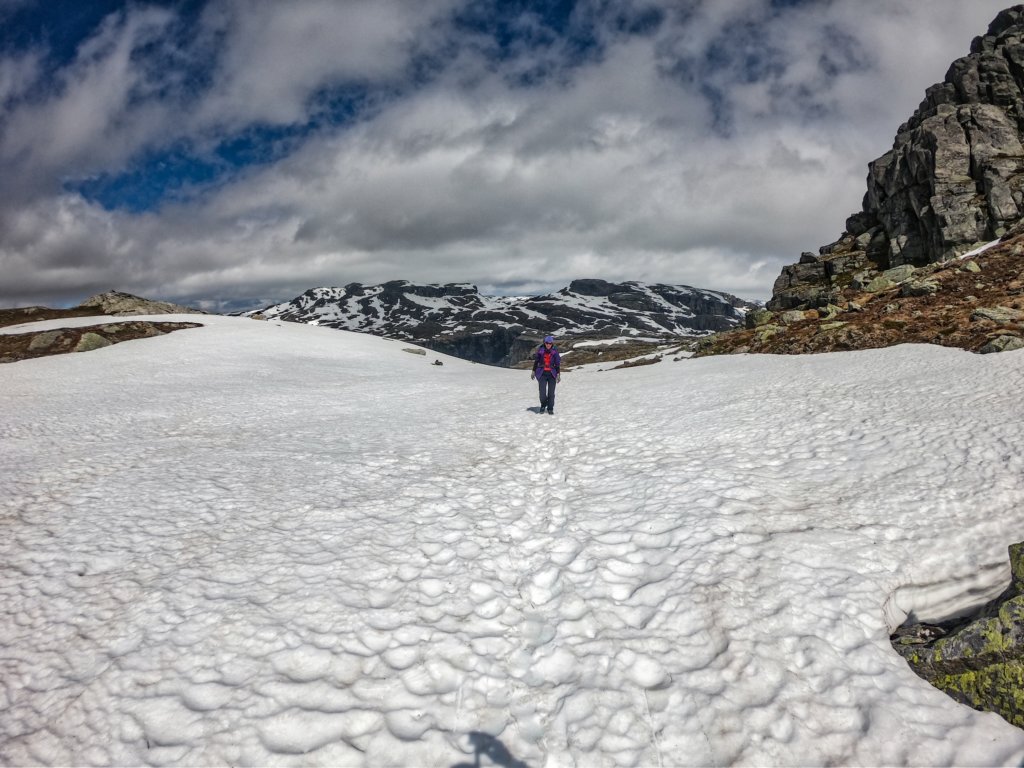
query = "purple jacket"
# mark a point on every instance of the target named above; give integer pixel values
(551, 365)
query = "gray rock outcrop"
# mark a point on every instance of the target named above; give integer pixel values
(952, 180)
(91, 341)
(118, 303)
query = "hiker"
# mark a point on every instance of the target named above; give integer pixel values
(546, 366)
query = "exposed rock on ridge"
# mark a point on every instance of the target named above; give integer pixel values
(500, 330)
(118, 303)
(952, 180)
(32, 344)
(972, 303)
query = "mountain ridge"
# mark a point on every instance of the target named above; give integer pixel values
(456, 319)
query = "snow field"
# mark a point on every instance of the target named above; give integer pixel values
(263, 544)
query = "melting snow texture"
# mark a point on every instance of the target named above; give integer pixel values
(254, 543)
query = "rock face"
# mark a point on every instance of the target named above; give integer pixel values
(499, 330)
(118, 303)
(952, 180)
(980, 663)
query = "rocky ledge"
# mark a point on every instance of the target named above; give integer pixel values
(25, 346)
(120, 304)
(974, 303)
(978, 661)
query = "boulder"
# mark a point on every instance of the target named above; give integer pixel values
(890, 278)
(758, 317)
(919, 288)
(801, 286)
(980, 661)
(844, 265)
(91, 341)
(800, 297)
(1001, 315)
(765, 332)
(1003, 344)
(44, 340)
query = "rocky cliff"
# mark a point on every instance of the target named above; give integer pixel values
(936, 255)
(502, 330)
(952, 180)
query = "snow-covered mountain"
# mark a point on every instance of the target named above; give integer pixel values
(272, 544)
(500, 330)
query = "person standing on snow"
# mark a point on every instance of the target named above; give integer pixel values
(547, 364)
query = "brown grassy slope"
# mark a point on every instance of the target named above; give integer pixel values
(25, 346)
(19, 315)
(949, 317)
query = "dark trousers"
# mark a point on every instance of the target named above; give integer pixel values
(546, 383)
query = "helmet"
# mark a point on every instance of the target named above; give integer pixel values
(550, 339)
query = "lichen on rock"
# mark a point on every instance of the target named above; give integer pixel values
(1003, 344)
(980, 661)
(91, 341)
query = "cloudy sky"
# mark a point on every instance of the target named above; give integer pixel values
(237, 152)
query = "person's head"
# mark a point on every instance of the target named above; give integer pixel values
(549, 340)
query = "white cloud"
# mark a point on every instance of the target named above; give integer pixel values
(18, 73)
(87, 120)
(610, 169)
(272, 57)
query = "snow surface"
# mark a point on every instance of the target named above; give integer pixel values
(256, 543)
(981, 249)
(613, 342)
